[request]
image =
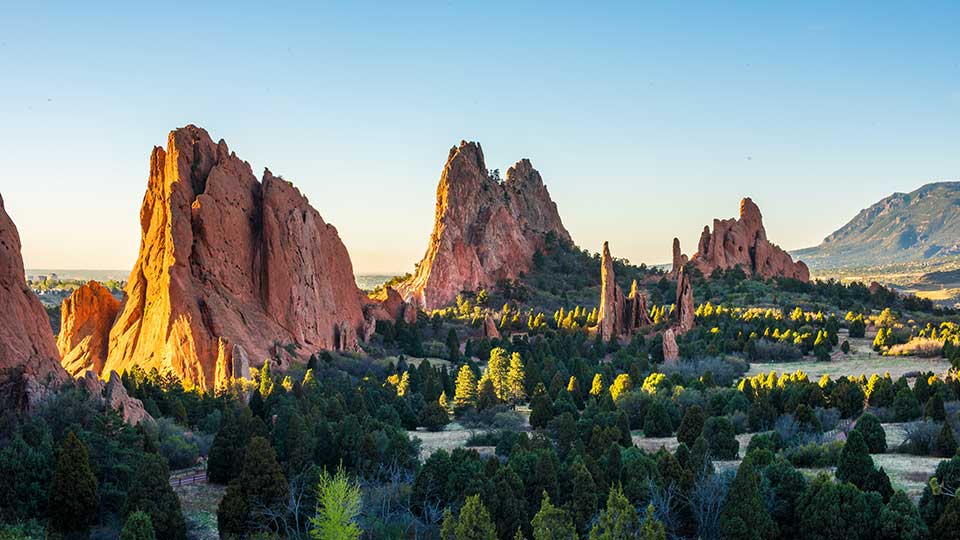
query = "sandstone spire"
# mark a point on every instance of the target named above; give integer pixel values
(484, 230)
(611, 298)
(742, 242)
(86, 317)
(29, 361)
(231, 270)
(684, 305)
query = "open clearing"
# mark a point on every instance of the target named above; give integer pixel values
(862, 360)
(199, 503)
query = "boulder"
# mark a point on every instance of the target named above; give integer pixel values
(112, 394)
(490, 330)
(29, 360)
(484, 230)
(85, 320)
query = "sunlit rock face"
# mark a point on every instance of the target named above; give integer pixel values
(86, 317)
(484, 230)
(29, 361)
(741, 242)
(232, 271)
(619, 315)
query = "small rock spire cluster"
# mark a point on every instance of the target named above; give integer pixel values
(619, 315)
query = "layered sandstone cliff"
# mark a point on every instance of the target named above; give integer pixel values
(86, 317)
(741, 242)
(484, 230)
(29, 361)
(231, 271)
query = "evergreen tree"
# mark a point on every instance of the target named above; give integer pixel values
(138, 527)
(934, 408)
(73, 498)
(261, 484)
(224, 459)
(855, 463)
(474, 522)
(744, 515)
(465, 395)
(652, 529)
(900, 520)
(905, 405)
(621, 385)
(721, 438)
(453, 346)
(583, 497)
(497, 371)
(486, 393)
(596, 387)
(619, 521)
(151, 493)
(876, 438)
(552, 523)
(541, 408)
(946, 444)
(433, 417)
(656, 422)
(691, 425)
(516, 376)
(947, 526)
(339, 502)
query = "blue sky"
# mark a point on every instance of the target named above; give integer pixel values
(646, 120)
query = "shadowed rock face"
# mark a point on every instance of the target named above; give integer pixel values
(228, 268)
(484, 230)
(86, 317)
(741, 242)
(29, 361)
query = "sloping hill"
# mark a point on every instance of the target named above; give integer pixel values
(903, 227)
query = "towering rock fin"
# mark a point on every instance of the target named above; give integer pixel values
(484, 230)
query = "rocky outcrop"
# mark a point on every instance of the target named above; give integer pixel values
(742, 242)
(686, 311)
(490, 330)
(484, 230)
(679, 259)
(29, 360)
(85, 320)
(619, 316)
(611, 298)
(229, 266)
(671, 352)
(112, 394)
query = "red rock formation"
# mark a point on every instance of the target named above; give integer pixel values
(229, 266)
(671, 352)
(29, 361)
(490, 328)
(484, 230)
(112, 394)
(619, 316)
(743, 242)
(609, 318)
(679, 259)
(86, 317)
(686, 311)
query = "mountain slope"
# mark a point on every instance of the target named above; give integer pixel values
(903, 227)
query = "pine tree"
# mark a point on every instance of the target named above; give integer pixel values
(620, 386)
(855, 463)
(596, 388)
(876, 438)
(339, 502)
(946, 444)
(652, 529)
(721, 438)
(266, 380)
(138, 527)
(151, 493)
(619, 521)
(261, 484)
(474, 522)
(73, 498)
(465, 394)
(934, 409)
(486, 394)
(224, 462)
(691, 425)
(744, 515)
(516, 377)
(541, 408)
(552, 523)
(583, 498)
(900, 520)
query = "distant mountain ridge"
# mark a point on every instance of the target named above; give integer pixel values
(903, 227)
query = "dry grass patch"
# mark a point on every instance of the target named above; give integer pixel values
(652, 444)
(454, 436)
(199, 504)
(906, 472)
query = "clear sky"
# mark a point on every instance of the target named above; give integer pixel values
(646, 120)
